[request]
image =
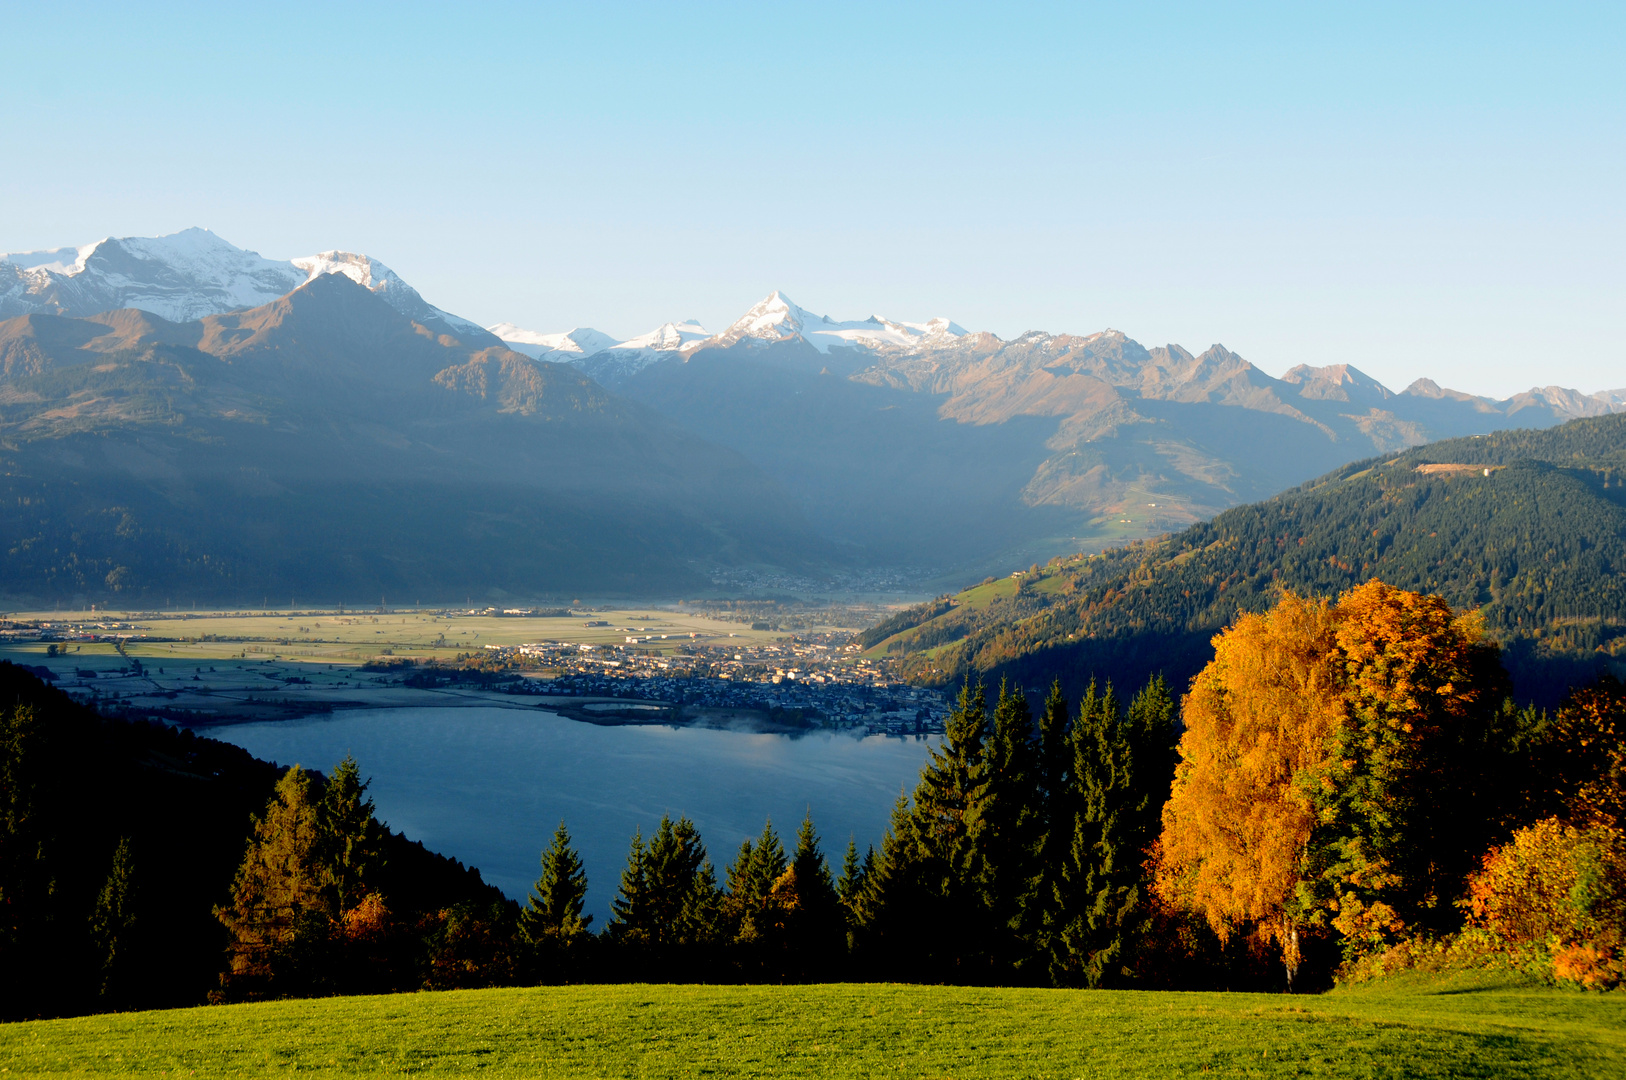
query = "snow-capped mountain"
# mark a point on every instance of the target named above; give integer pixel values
(668, 337)
(777, 318)
(570, 345)
(192, 274)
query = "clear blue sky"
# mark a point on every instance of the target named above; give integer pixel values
(1415, 189)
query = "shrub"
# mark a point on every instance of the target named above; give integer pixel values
(1557, 892)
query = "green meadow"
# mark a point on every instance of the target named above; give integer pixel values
(1467, 1027)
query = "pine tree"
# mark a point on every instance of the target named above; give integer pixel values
(1101, 888)
(111, 924)
(630, 925)
(1151, 722)
(1056, 815)
(1005, 830)
(352, 839)
(682, 885)
(553, 914)
(27, 842)
(281, 914)
(852, 880)
(950, 789)
(814, 914)
(667, 909)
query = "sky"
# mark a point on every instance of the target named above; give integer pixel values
(1415, 189)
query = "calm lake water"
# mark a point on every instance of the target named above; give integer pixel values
(489, 785)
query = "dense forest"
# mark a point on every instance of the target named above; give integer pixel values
(119, 839)
(1527, 527)
(1346, 789)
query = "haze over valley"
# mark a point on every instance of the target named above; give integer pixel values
(236, 426)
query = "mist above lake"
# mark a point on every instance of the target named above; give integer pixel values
(489, 785)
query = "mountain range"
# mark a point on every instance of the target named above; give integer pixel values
(326, 446)
(921, 442)
(872, 442)
(191, 274)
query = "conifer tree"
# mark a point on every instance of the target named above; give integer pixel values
(946, 800)
(281, 915)
(629, 925)
(750, 913)
(682, 885)
(1101, 890)
(1005, 829)
(852, 879)
(813, 912)
(26, 882)
(1056, 812)
(552, 917)
(921, 914)
(668, 901)
(351, 846)
(111, 924)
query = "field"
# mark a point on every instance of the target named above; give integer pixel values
(1467, 1029)
(265, 665)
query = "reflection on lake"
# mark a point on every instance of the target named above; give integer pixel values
(488, 785)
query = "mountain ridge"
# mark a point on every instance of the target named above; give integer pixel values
(325, 445)
(191, 274)
(1527, 527)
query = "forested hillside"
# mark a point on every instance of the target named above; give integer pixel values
(1527, 527)
(118, 840)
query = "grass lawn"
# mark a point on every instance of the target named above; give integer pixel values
(1422, 1029)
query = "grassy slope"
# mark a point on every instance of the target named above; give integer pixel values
(1421, 1029)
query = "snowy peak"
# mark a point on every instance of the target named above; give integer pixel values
(572, 344)
(192, 274)
(669, 337)
(777, 318)
(179, 277)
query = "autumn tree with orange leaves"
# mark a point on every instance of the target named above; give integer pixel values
(1333, 770)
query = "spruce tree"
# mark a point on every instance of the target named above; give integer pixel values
(682, 885)
(281, 915)
(1005, 830)
(1056, 811)
(553, 914)
(851, 881)
(752, 912)
(630, 924)
(946, 827)
(111, 924)
(815, 919)
(1122, 766)
(352, 839)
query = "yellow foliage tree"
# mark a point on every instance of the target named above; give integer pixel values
(1311, 742)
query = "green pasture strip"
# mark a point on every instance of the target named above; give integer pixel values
(851, 1030)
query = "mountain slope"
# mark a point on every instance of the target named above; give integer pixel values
(923, 443)
(192, 274)
(324, 445)
(1528, 527)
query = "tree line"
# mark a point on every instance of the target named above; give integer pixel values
(1345, 789)
(1017, 859)
(1344, 782)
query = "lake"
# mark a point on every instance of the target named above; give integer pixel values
(489, 785)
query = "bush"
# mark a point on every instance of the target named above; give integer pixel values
(1557, 893)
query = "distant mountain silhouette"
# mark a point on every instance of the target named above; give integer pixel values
(324, 446)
